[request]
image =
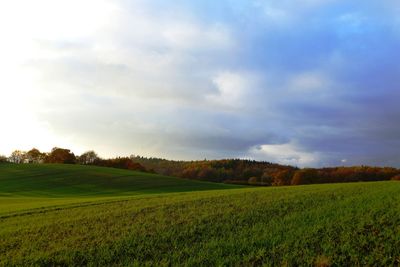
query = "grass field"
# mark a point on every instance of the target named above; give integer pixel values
(28, 186)
(137, 224)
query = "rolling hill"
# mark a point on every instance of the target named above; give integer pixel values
(63, 180)
(28, 186)
(129, 220)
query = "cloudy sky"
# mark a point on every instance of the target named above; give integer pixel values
(307, 82)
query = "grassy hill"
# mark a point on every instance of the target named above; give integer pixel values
(337, 224)
(58, 180)
(26, 186)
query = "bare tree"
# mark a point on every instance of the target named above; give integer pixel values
(17, 156)
(89, 157)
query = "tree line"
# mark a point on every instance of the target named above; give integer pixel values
(252, 172)
(235, 171)
(65, 156)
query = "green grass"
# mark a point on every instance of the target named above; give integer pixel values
(27, 186)
(354, 224)
(61, 180)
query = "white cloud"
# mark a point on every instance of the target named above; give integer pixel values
(145, 76)
(231, 88)
(192, 36)
(63, 60)
(235, 89)
(309, 81)
(289, 154)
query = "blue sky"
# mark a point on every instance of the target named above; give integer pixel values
(306, 83)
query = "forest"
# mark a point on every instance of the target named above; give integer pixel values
(232, 171)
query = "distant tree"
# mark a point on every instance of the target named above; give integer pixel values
(89, 157)
(266, 178)
(253, 181)
(17, 156)
(252, 172)
(61, 155)
(35, 156)
(3, 159)
(396, 178)
(206, 173)
(282, 177)
(190, 172)
(121, 163)
(305, 176)
(223, 174)
(297, 178)
(239, 171)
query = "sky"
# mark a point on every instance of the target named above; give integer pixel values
(308, 83)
